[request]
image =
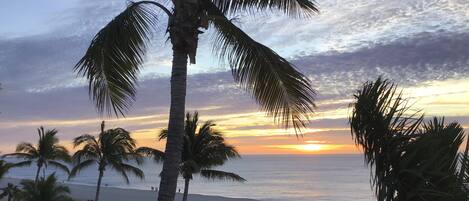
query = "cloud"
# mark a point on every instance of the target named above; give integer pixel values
(408, 61)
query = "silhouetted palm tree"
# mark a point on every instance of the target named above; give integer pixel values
(10, 192)
(45, 189)
(113, 148)
(116, 54)
(412, 160)
(204, 148)
(47, 152)
(4, 167)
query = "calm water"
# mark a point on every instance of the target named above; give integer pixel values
(270, 178)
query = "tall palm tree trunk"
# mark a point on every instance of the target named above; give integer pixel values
(174, 144)
(186, 189)
(39, 165)
(183, 30)
(98, 186)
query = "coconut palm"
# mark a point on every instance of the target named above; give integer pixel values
(113, 148)
(4, 167)
(45, 189)
(116, 53)
(204, 148)
(412, 160)
(46, 152)
(10, 191)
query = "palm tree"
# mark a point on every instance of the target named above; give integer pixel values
(45, 189)
(4, 167)
(202, 150)
(113, 148)
(116, 53)
(10, 191)
(47, 152)
(413, 160)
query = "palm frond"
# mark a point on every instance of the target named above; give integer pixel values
(60, 166)
(380, 125)
(191, 124)
(293, 8)
(123, 174)
(379, 114)
(132, 169)
(46, 189)
(221, 175)
(20, 155)
(280, 90)
(156, 154)
(163, 134)
(410, 160)
(80, 166)
(26, 148)
(123, 169)
(22, 163)
(428, 166)
(11, 190)
(84, 154)
(463, 175)
(112, 61)
(61, 153)
(4, 167)
(86, 138)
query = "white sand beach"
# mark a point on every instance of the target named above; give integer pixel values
(85, 193)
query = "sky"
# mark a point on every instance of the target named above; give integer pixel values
(421, 45)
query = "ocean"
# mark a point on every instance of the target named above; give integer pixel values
(269, 178)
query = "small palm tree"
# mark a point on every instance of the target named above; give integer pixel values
(10, 191)
(116, 53)
(204, 148)
(4, 167)
(45, 189)
(113, 148)
(47, 152)
(412, 160)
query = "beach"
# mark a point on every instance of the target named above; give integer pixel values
(85, 193)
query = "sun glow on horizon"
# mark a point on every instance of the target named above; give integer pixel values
(309, 146)
(312, 147)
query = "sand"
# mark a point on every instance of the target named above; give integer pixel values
(85, 193)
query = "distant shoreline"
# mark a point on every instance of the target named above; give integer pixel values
(84, 192)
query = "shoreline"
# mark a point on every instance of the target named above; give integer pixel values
(83, 192)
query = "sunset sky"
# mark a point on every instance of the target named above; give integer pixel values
(421, 45)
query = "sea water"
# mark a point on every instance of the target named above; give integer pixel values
(269, 178)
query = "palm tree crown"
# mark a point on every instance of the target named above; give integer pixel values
(45, 189)
(11, 191)
(412, 160)
(115, 55)
(47, 152)
(204, 148)
(113, 148)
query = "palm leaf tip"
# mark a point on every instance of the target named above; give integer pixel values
(221, 175)
(281, 90)
(293, 8)
(112, 61)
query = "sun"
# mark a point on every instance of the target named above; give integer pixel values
(311, 147)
